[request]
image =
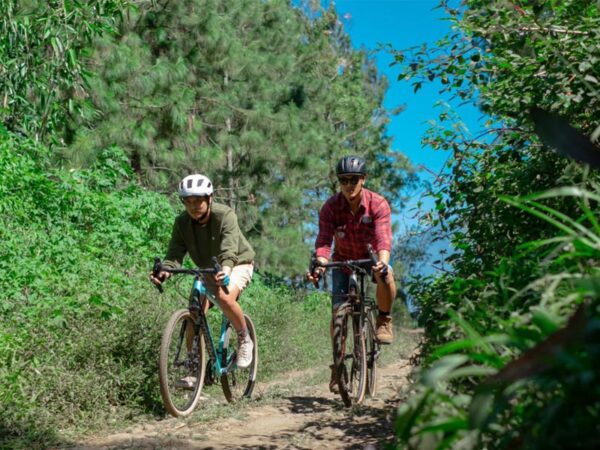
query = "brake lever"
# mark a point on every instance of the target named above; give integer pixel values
(218, 268)
(311, 269)
(374, 259)
(156, 269)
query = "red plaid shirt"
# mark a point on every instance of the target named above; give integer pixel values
(352, 232)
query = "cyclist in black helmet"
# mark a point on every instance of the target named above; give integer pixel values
(353, 218)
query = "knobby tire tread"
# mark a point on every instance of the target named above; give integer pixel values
(172, 331)
(344, 327)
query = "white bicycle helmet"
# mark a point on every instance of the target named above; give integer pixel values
(195, 185)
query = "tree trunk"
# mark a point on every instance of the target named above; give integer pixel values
(231, 182)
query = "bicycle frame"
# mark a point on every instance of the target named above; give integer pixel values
(358, 308)
(198, 295)
(358, 300)
(364, 303)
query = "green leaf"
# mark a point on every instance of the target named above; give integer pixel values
(445, 426)
(441, 369)
(545, 321)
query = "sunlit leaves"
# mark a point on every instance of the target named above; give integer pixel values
(42, 70)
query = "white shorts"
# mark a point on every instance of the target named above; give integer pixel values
(240, 276)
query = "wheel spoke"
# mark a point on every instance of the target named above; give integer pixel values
(181, 380)
(238, 383)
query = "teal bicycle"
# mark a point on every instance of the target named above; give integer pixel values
(189, 357)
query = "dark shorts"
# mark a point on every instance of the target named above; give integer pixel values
(339, 285)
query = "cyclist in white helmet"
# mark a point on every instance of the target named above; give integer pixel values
(208, 229)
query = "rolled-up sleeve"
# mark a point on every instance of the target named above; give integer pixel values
(382, 219)
(326, 229)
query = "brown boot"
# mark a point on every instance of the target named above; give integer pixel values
(333, 386)
(384, 332)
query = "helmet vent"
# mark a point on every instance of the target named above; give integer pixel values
(195, 185)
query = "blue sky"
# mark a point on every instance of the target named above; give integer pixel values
(403, 24)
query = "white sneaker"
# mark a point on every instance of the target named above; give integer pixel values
(186, 383)
(244, 352)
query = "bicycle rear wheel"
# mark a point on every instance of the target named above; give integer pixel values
(372, 347)
(349, 356)
(182, 364)
(238, 383)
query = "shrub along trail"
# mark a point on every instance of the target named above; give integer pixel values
(294, 412)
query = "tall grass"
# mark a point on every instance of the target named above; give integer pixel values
(518, 370)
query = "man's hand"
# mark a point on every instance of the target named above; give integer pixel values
(160, 279)
(377, 268)
(381, 270)
(316, 275)
(220, 276)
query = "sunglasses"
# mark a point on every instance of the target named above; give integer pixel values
(349, 180)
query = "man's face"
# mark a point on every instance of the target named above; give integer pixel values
(351, 185)
(197, 207)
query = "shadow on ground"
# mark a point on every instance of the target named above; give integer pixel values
(325, 424)
(362, 426)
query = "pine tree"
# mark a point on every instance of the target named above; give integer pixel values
(256, 95)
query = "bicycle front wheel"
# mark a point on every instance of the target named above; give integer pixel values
(372, 347)
(182, 364)
(238, 383)
(349, 357)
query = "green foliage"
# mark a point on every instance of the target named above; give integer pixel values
(523, 245)
(293, 328)
(75, 247)
(255, 94)
(41, 70)
(80, 323)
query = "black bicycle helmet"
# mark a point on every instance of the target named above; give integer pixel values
(354, 165)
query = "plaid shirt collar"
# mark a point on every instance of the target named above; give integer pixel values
(344, 203)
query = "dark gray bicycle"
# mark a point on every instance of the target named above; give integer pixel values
(355, 347)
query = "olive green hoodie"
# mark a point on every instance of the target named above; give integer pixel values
(220, 236)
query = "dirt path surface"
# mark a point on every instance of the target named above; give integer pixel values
(289, 414)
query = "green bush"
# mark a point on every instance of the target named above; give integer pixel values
(511, 366)
(80, 324)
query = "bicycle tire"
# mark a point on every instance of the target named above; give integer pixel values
(349, 357)
(239, 383)
(372, 352)
(174, 366)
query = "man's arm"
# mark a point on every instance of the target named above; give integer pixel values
(383, 234)
(382, 219)
(325, 236)
(176, 250)
(383, 256)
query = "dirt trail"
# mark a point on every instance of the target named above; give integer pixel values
(299, 416)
